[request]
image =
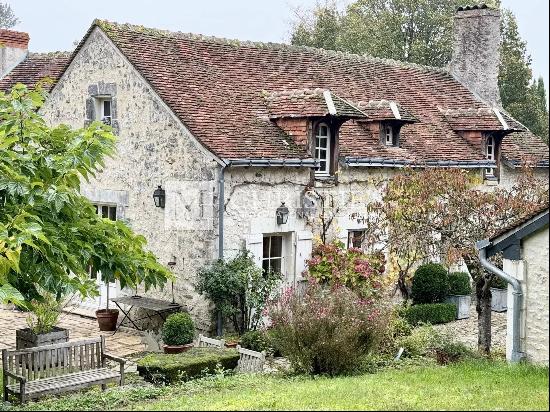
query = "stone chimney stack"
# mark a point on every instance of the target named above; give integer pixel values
(14, 47)
(476, 55)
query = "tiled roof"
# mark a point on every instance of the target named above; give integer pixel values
(385, 110)
(483, 118)
(17, 39)
(36, 67)
(309, 103)
(218, 89)
(520, 220)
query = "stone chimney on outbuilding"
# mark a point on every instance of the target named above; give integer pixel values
(14, 47)
(476, 55)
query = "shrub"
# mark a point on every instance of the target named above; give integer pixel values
(430, 284)
(255, 340)
(239, 289)
(46, 314)
(433, 313)
(499, 283)
(427, 341)
(160, 367)
(459, 283)
(178, 329)
(326, 330)
(398, 327)
(334, 265)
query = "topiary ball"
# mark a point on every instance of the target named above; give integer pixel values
(459, 283)
(430, 284)
(178, 329)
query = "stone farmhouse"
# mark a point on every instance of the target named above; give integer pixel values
(249, 142)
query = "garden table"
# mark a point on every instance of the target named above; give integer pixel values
(158, 306)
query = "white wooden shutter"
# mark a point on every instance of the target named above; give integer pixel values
(304, 245)
(254, 243)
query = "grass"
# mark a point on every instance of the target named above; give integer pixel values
(481, 385)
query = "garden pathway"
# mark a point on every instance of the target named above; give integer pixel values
(126, 341)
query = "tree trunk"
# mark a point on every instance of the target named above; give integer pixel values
(483, 309)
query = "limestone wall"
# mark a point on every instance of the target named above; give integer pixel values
(535, 257)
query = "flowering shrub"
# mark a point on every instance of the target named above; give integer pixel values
(335, 265)
(327, 329)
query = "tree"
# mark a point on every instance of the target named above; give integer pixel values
(420, 32)
(50, 235)
(7, 18)
(450, 212)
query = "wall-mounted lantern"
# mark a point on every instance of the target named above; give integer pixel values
(282, 214)
(159, 196)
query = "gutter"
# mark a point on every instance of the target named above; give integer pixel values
(517, 293)
(381, 162)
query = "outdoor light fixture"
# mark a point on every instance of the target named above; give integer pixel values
(159, 196)
(282, 214)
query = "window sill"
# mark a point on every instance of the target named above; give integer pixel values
(325, 181)
(490, 180)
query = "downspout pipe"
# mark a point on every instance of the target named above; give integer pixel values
(517, 294)
(221, 207)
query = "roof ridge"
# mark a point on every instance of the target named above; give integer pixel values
(57, 53)
(107, 25)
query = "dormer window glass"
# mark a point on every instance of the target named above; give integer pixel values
(389, 135)
(322, 149)
(490, 149)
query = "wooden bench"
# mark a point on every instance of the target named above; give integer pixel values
(250, 361)
(205, 342)
(53, 369)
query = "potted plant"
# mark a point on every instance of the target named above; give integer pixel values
(106, 318)
(499, 293)
(178, 332)
(42, 323)
(231, 340)
(460, 290)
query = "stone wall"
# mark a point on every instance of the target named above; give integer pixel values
(535, 257)
(153, 149)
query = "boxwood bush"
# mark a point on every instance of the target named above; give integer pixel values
(459, 283)
(433, 313)
(178, 329)
(430, 284)
(168, 368)
(255, 340)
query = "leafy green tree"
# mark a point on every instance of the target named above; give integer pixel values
(50, 235)
(7, 17)
(420, 31)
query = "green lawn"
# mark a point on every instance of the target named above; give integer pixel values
(478, 385)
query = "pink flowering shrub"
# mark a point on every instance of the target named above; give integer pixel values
(334, 265)
(325, 330)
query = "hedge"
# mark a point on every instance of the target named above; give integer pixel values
(168, 368)
(433, 313)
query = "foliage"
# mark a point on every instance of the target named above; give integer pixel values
(334, 265)
(170, 368)
(430, 284)
(255, 340)
(178, 329)
(49, 233)
(459, 283)
(398, 327)
(499, 283)
(7, 17)
(46, 314)
(325, 330)
(421, 32)
(239, 289)
(433, 313)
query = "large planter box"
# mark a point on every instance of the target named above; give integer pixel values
(499, 300)
(26, 338)
(462, 303)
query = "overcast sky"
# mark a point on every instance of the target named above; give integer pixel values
(56, 24)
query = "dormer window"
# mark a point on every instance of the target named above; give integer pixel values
(390, 134)
(490, 149)
(104, 110)
(322, 149)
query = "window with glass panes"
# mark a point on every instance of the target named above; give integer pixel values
(272, 259)
(490, 154)
(322, 149)
(356, 238)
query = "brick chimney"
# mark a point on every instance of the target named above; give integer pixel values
(476, 55)
(13, 49)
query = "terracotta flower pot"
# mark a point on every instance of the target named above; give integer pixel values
(106, 318)
(231, 344)
(177, 348)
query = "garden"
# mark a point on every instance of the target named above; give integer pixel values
(339, 340)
